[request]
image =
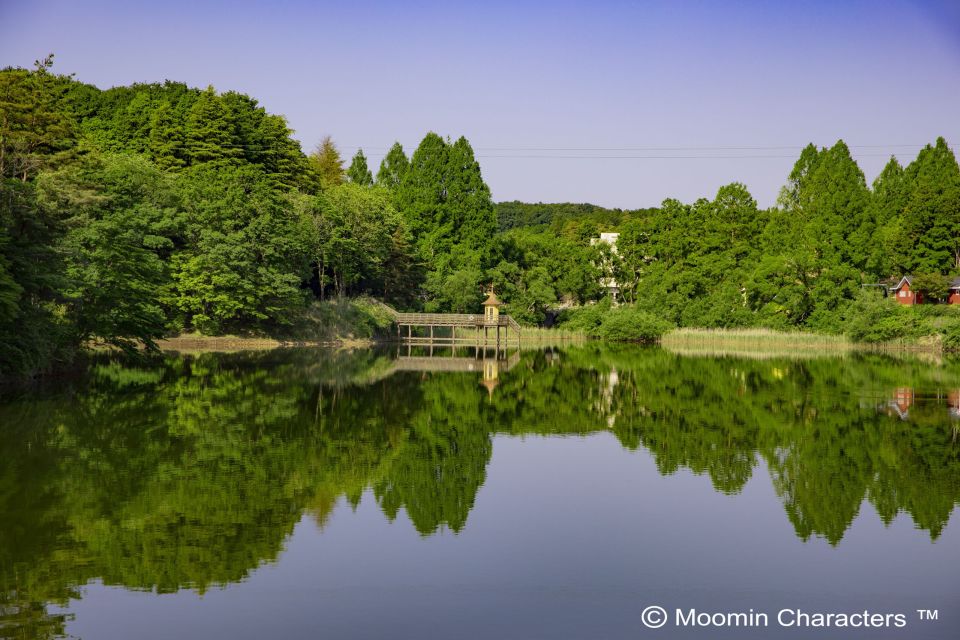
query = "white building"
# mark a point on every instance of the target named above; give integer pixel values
(607, 281)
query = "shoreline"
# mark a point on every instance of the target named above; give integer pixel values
(194, 343)
(687, 341)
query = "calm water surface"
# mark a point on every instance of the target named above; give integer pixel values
(557, 494)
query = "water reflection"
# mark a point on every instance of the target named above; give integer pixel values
(193, 472)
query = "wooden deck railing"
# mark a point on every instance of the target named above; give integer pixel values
(453, 320)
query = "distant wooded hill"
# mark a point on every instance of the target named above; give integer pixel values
(514, 214)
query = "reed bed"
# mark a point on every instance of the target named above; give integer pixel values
(535, 336)
(755, 340)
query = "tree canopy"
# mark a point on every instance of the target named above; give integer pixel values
(130, 213)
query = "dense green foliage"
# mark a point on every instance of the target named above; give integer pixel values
(192, 472)
(872, 318)
(629, 324)
(800, 265)
(134, 212)
(571, 220)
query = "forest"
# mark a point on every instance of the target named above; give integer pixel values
(133, 213)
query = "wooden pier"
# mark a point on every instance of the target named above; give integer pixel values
(442, 328)
(478, 329)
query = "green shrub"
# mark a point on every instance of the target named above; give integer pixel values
(586, 318)
(951, 334)
(872, 318)
(629, 324)
(337, 319)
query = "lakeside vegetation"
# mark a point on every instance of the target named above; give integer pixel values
(135, 213)
(760, 339)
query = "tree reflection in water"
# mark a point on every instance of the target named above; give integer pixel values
(192, 472)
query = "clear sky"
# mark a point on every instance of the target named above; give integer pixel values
(617, 103)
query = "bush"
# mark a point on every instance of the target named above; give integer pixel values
(586, 318)
(337, 319)
(872, 318)
(629, 324)
(951, 335)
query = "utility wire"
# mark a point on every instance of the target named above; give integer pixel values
(681, 148)
(701, 157)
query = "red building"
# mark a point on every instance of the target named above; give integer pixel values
(954, 297)
(905, 294)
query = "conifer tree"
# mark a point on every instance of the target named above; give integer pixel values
(359, 173)
(328, 164)
(281, 156)
(393, 168)
(889, 254)
(468, 201)
(839, 200)
(422, 195)
(209, 130)
(827, 195)
(165, 142)
(932, 212)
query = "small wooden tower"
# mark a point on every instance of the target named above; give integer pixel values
(491, 309)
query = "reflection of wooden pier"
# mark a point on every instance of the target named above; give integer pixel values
(488, 367)
(453, 363)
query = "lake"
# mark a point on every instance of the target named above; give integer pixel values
(556, 493)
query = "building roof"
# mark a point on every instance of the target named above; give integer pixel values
(492, 300)
(907, 279)
(954, 283)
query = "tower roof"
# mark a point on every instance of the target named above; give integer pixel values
(492, 300)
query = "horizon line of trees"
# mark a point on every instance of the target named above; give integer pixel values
(130, 213)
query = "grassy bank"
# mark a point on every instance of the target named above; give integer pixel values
(754, 343)
(754, 338)
(535, 336)
(349, 322)
(768, 343)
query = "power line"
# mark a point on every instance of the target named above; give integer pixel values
(679, 148)
(661, 157)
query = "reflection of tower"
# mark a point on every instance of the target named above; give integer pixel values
(491, 373)
(902, 401)
(953, 399)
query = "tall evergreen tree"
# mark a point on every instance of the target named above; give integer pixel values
(359, 173)
(468, 199)
(422, 195)
(166, 142)
(793, 195)
(393, 168)
(931, 217)
(34, 132)
(833, 201)
(209, 130)
(890, 251)
(328, 164)
(281, 156)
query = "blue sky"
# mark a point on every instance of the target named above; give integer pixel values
(617, 103)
